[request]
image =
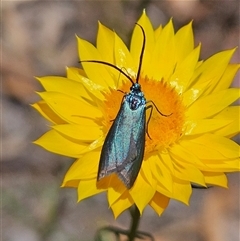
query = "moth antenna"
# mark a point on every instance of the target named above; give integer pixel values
(108, 64)
(142, 52)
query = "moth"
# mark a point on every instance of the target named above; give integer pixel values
(123, 149)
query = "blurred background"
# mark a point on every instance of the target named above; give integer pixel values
(38, 39)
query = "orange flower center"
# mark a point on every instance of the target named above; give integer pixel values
(162, 130)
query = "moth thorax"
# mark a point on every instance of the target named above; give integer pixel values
(135, 100)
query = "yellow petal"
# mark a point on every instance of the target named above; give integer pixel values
(167, 160)
(63, 85)
(225, 146)
(201, 151)
(43, 108)
(181, 190)
(209, 146)
(95, 144)
(123, 203)
(157, 32)
(137, 41)
(110, 181)
(69, 108)
(159, 203)
(160, 171)
(90, 86)
(115, 192)
(100, 75)
(81, 132)
(163, 61)
(195, 92)
(228, 77)
(218, 179)
(84, 168)
(234, 165)
(209, 105)
(54, 142)
(74, 73)
(185, 155)
(105, 43)
(141, 186)
(161, 189)
(194, 127)
(147, 172)
(211, 71)
(181, 78)
(230, 113)
(188, 172)
(231, 165)
(185, 42)
(87, 188)
(71, 183)
(123, 60)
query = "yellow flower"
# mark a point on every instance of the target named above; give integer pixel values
(190, 146)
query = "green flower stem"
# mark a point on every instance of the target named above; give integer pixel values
(132, 233)
(135, 222)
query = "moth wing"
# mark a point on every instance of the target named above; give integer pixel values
(123, 149)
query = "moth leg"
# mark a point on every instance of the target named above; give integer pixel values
(148, 107)
(158, 109)
(122, 91)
